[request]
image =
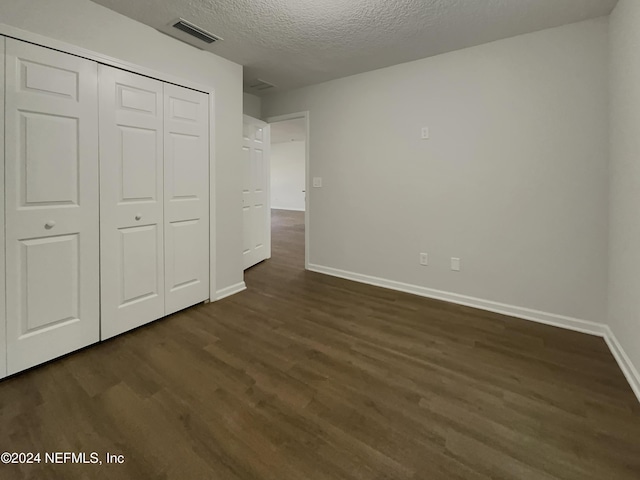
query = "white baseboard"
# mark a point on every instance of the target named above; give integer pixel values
(628, 369)
(570, 323)
(232, 290)
(289, 209)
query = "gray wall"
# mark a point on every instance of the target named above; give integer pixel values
(513, 180)
(252, 105)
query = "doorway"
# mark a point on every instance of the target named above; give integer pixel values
(289, 162)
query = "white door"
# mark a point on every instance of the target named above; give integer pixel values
(131, 200)
(256, 210)
(3, 342)
(51, 130)
(186, 197)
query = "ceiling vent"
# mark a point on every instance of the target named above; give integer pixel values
(195, 31)
(260, 85)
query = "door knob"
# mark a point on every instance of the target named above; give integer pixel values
(138, 217)
(50, 224)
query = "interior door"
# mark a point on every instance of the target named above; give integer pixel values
(186, 197)
(256, 210)
(131, 200)
(51, 130)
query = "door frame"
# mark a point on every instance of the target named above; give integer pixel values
(37, 39)
(3, 305)
(307, 183)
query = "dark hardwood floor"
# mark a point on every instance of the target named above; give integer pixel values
(305, 376)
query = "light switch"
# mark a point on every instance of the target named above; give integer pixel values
(317, 182)
(425, 133)
(455, 264)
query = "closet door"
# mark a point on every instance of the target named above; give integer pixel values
(51, 130)
(186, 197)
(131, 200)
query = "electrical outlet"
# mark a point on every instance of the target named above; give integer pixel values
(455, 264)
(424, 133)
(317, 182)
(424, 259)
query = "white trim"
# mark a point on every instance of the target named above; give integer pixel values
(307, 174)
(232, 290)
(3, 324)
(628, 369)
(213, 263)
(36, 39)
(562, 321)
(288, 209)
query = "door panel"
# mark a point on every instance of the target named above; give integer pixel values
(49, 269)
(139, 164)
(49, 79)
(181, 240)
(186, 142)
(185, 174)
(256, 210)
(51, 121)
(139, 247)
(247, 211)
(260, 176)
(38, 189)
(131, 206)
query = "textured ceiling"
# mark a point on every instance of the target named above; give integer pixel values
(288, 131)
(293, 43)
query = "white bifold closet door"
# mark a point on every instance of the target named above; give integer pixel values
(131, 200)
(51, 170)
(154, 190)
(186, 197)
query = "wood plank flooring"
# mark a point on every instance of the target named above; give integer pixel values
(305, 376)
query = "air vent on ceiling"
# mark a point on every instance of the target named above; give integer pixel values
(260, 85)
(195, 31)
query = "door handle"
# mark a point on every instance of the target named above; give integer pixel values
(138, 217)
(50, 224)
